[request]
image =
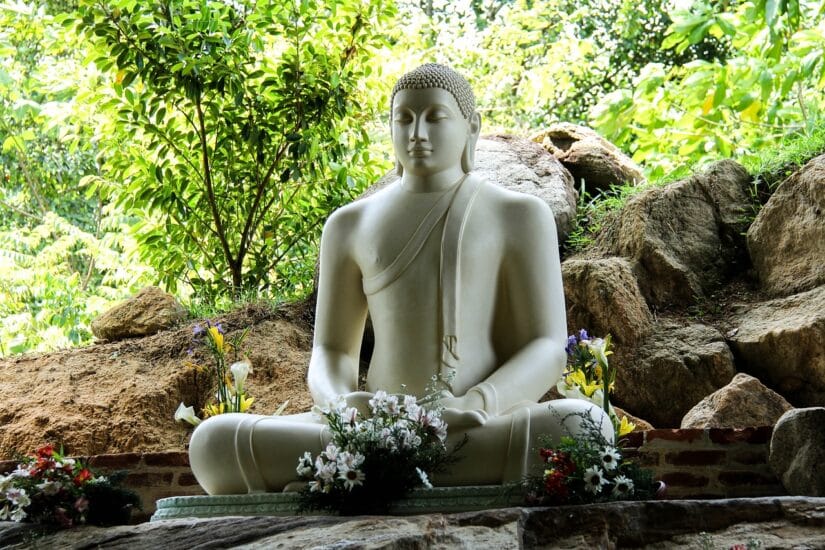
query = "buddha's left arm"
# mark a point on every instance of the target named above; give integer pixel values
(532, 273)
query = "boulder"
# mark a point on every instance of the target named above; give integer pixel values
(743, 403)
(683, 239)
(148, 312)
(674, 368)
(520, 165)
(602, 295)
(798, 451)
(787, 239)
(588, 156)
(782, 342)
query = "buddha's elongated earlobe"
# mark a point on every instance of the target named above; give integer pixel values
(468, 155)
(399, 169)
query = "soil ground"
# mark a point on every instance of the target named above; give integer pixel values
(121, 396)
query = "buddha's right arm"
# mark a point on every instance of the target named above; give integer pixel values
(340, 313)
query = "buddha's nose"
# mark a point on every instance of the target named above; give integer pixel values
(419, 132)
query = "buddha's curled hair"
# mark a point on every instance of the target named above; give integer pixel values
(434, 75)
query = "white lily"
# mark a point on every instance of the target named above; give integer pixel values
(240, 371)
(187, 414)
(598, 347)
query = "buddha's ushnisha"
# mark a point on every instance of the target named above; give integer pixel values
(462, 282)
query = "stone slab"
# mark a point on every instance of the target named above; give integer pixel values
(770, 523)
(421, 501)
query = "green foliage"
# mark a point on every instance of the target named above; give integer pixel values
(44, 146)
(238, 129)
(57, 278)
(769, 86)
(64, 258)
(534, 63)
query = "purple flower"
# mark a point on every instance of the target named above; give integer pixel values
(199, 330)
(572, 342)
(583, 335)
(220, 328)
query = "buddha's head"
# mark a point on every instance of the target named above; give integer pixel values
(434, 122)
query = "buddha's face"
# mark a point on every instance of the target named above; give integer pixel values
(429, 132)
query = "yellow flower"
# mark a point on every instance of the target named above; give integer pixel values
(216, 337)
(578, 378)
(626, 426)
(598, 372)
(246, 402)
(214, 409)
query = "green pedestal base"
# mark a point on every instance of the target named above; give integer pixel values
(421, 501)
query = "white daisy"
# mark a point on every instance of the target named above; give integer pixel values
(610, 458)
(352, 478)
(594, 479)
(623, 486)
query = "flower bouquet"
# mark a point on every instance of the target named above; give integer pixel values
(230, 379)
(370, 463)
(52, 489)
(590, 376)
(587, 469)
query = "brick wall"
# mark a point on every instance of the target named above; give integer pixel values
(712, 463)
(709, 463)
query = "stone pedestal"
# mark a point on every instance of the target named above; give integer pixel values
(421, 501)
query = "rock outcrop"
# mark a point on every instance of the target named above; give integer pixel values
(148, 312)
(798, 451)
(589, 157)
(743, 403)
(671, 371)
(782, 342)
(787, 238)
(782, 522)
(683, 239)
(603, 296)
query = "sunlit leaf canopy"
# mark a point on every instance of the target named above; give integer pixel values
(200, 144)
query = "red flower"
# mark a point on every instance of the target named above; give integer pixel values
(82, 477)
(42, 465)
(46, 451)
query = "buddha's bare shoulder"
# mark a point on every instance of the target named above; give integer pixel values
(349, 216)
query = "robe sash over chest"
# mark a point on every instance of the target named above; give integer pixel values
(453, 208)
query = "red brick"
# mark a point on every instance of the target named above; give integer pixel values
(149, 480)
(172, 458)
(642, 458)
(115, 461)
(674, 435)
(750, 457)
(684, 479)
(742, 435)
(695, 458)
(746, 478)
(186, 479)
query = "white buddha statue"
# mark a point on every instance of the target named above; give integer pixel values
(462, 281)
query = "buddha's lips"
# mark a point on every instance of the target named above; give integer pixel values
(420, 151)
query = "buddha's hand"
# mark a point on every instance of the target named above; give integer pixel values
(456, 419)
(361, 401)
